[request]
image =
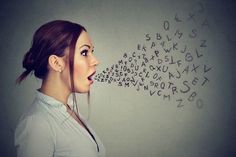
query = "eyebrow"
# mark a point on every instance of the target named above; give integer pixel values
(86, 45)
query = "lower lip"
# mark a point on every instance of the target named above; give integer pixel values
(90, 81)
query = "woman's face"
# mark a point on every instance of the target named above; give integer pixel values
(84, 63)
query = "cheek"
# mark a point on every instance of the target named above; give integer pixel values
(81, 69)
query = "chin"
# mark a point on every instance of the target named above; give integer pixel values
(82, 90)
(82, 87)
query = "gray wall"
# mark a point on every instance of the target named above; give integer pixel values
(131, 122)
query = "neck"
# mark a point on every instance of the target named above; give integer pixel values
(56, 89)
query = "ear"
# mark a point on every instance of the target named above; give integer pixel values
(56, 63)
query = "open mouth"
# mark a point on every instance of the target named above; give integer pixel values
(90, 77)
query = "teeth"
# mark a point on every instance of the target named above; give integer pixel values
(90, 77)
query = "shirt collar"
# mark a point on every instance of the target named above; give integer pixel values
(52, 102)
(49, 100)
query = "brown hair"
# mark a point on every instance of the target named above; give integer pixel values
(53, 38)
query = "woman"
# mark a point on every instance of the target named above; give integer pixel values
(61, 55)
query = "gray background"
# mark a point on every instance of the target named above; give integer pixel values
(130, 123)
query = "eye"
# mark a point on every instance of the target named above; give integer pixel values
(84, 53)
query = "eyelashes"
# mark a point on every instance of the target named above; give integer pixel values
(85, 52)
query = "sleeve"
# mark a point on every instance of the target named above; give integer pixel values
(33, 138)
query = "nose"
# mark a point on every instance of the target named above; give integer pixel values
(94, 61)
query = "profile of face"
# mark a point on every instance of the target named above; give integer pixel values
(84, 64)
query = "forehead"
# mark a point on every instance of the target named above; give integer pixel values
(84, 39)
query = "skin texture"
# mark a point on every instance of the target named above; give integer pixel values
(84, 63)
(57, 82)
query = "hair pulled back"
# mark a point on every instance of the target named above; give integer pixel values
(51, 38)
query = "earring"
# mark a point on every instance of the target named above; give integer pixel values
(60, 68)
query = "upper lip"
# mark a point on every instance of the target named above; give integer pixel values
(91, 74)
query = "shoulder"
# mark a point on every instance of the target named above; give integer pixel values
(34, 136)
(36, 113)
(34, 122)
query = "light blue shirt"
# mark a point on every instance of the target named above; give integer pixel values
(47, 130)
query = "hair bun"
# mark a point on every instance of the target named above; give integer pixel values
(28, 62)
